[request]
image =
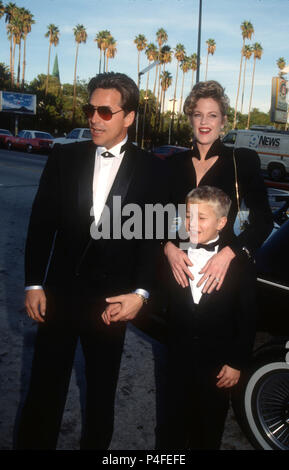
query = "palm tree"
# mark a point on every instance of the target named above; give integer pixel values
(141, 44)
(111, 50)
(10, 10)
(193, 65)
(281, 63)
(162, 37)
(247, 52)
(166, 81)
(185, 66)
(179, 55)
(257, 52)
(152, 55)
(53, 35)
(166, 57)
(2, 9)
(28, 21)
(210, 50)
(100, 39)
(18, 23)
(80, 36)
(247, 32)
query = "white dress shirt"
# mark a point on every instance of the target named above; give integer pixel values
(105, 171)
(199, 257)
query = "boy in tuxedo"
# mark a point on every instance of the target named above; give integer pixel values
(210, 334)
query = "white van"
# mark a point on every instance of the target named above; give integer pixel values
(271, 145)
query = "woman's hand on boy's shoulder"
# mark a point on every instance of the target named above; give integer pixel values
(215, 270)
(228, 377)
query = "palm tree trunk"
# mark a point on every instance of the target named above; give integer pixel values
(253, 77)
(175, 94)
(243, 91)
(106, 68)
(24, 62)
(13, 60)
(47, 78)
(11, 66)
(193, 73)
(99, 68)
(19, 60)
(237, 98)
(138, 57)
(74, 82)
(206, 67)
(181, 102)
(156, 76)
(162, 125)
(104, 55)
(145, 110)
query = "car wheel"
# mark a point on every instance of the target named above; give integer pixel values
(29, 148)
(9, 145)
(261, 405)
(276, 172)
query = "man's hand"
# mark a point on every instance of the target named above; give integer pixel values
(179, 263)
(35, 303)
(228, 377)
(122, 308)
(215, 270)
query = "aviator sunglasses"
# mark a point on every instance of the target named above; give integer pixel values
(103, 111)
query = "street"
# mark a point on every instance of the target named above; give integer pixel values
(141, 375)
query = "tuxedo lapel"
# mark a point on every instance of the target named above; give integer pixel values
(85, 182)
(121, 184)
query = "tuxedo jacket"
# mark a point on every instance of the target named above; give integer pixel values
(60, 251)
(221, 327)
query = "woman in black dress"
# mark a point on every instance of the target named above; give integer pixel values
(196, 405)
(209, 162)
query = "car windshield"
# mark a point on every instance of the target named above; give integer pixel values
(43, 135)
(5, 132)
(86, 134)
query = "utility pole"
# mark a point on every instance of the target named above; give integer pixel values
(199, 42)
(139, 78)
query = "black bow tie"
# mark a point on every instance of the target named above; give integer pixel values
(208, 246)
(107, 154)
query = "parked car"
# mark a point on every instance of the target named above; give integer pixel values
(165, 151)
(76, 135)
(261, 399)
(4, 133)
(30, 140)
(271, 145)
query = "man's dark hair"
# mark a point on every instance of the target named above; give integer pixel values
(122, 83)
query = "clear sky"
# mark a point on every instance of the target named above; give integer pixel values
(125, 19)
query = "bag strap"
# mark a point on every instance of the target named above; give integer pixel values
(236, 182)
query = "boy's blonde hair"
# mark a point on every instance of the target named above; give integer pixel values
(213, 196)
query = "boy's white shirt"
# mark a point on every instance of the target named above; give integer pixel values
(199, 257)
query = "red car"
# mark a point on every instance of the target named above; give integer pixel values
(4, 133)
(30, 140)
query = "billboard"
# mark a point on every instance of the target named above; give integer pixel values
(279, 103)
(17, 103)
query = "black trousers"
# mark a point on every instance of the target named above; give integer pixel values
(195, 408)
(70, 319)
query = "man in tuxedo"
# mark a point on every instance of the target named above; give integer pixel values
(76, 263)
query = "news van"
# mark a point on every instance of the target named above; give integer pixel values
(271, 145)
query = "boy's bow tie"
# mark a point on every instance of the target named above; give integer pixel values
(208, 246)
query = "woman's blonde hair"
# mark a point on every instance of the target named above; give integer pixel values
(209, 89)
